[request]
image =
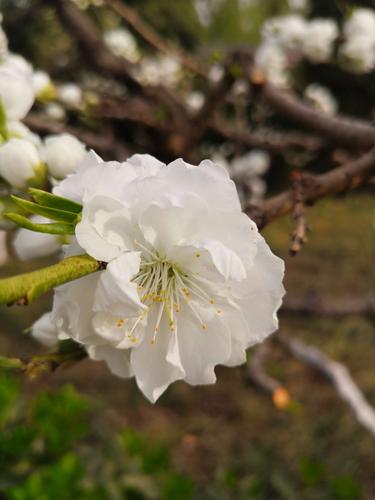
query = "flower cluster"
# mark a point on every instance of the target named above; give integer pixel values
(288, 39)
(189, 282)
(357, 53)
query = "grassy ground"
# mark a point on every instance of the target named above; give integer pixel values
(230, 439)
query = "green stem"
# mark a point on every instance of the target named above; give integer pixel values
(25, 288)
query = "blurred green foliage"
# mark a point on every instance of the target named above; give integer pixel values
(51, 448)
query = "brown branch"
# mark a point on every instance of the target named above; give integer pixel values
(340, 179)
(341, 130)
(313, 304)
(152, 37)
(340, 377)
(299, 237)
(103, 142)
(273, 141)
(90, 43)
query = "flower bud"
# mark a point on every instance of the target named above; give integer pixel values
(20, 164)
(70, 94)
(29, 245)
(16, 93)
(63, 154)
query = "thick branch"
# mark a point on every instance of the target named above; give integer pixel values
(339, 375)
(25, 288)
(344, 178)
(340, 129)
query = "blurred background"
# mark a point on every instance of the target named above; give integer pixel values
(82, 433)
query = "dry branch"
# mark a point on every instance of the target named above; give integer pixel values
(340, 179)
(341, 130)
(340, 377)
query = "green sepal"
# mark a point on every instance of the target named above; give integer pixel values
(50, 228)
(39, 178)
(49, 213)
(51, 200)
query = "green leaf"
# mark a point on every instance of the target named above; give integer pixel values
(49, 213)
(50, 228)
(51, 200)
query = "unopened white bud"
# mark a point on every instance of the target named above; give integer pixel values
(20, 164)
(16, 93)
(63, 154)
(70, 94)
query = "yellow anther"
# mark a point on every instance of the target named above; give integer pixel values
(219, 311)
(212, 301)
(197, 254)
(204, 327)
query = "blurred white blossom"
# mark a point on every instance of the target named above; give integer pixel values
(55, 111)
(357, 54)
(122, 43)
(321, 98)
(70, 94)
(160, 70)
(287, 32)
(271, 60)
(319, 40)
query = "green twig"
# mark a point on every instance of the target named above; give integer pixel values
(25, 288)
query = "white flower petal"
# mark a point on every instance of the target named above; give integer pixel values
(153, 372)
(115, 292)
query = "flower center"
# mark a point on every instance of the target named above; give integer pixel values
(164, 285)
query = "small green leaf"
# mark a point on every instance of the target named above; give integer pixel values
(50, 228)
(51, 200)
(49, 213)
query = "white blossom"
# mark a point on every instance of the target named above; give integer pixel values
(319, 39)
(70, 94)
(122, 43)
(19, 64)
(273, 62)
(195, 100)
(3, 44)
(300, 5)
(63, 153)
(161, 70)
(55, 111)
(361, 23)
(216, 73)
(288, 32)
(40, 81)
(32, 245)
(357, 54)
(19, 162)
(44, 331)
(189, 284)
(321, 98)
(16, 93)
(18, 130)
